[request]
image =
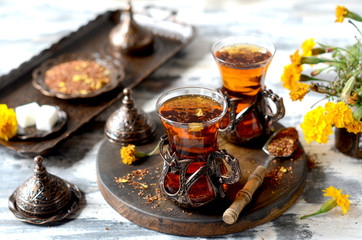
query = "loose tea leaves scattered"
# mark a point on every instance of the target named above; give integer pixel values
(147, 190)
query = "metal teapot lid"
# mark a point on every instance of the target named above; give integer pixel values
(128, 124)
(129, 37)
(44, 197)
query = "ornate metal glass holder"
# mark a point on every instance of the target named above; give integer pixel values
(211, 170)
(263, 112)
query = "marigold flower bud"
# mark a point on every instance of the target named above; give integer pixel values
(315, 72)
(357, 114)
(317, 51)
(329, 49)
(346, 92)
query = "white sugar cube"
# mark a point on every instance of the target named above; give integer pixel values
(26, 114)
(46, 118)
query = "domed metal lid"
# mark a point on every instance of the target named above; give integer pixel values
(44, 197)
(128, 124)
(130, 37)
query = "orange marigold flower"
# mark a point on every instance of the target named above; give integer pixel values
(8, 122)
(339, 113)
(291, 75)
(307, 47)
(341, 12)
(352, 100)
(341, 199)
(299, 91)
(296, 58)
(128, 154)
(341, 117)
(316, 126)
(337, 199)
(353, 126)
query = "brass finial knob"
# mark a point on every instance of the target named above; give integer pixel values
(127, 99)
(39, 168)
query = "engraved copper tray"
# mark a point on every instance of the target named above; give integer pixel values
(16, 87)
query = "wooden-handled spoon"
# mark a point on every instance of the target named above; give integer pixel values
(281, 144)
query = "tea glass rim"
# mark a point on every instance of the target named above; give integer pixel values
(192, 91)
(253, 40)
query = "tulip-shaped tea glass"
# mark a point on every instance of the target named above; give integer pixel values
(243, 62)
(195, 171)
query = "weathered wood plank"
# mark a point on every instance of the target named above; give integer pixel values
(287, 23)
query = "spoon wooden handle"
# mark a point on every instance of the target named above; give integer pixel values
(244, 196)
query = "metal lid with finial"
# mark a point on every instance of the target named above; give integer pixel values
(130, 37)
(44, 197)
(128, 124)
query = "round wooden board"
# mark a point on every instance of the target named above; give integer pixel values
(269, 201)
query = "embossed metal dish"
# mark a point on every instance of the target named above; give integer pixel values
(63, 213)
(115, 68)
(44, 197)
(31, 132)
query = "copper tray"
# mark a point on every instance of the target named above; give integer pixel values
(16, 87)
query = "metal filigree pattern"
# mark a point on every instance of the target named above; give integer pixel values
(128, 124)
(211, 170)
(43, 193)
(44, 197)
(262, 111)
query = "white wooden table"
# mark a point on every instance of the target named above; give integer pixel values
(27, 27)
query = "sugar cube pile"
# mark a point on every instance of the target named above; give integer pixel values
(43, 117)
(26, 114)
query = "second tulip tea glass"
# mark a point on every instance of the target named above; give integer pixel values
(243, 62)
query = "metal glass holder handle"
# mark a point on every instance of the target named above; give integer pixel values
(271, 117)
(260, 107)
(214, 167)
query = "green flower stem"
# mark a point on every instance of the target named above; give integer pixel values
(154, 150)
(315, 60)
(341, 49)
(318, 102)
(139, 154)
(313, 214)
(306, 78)
(327, 206)
(355, 26)
(327, 48)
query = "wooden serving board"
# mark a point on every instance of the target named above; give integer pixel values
(282, 187)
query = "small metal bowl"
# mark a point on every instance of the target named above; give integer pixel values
(116, 70)
(32, 133)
